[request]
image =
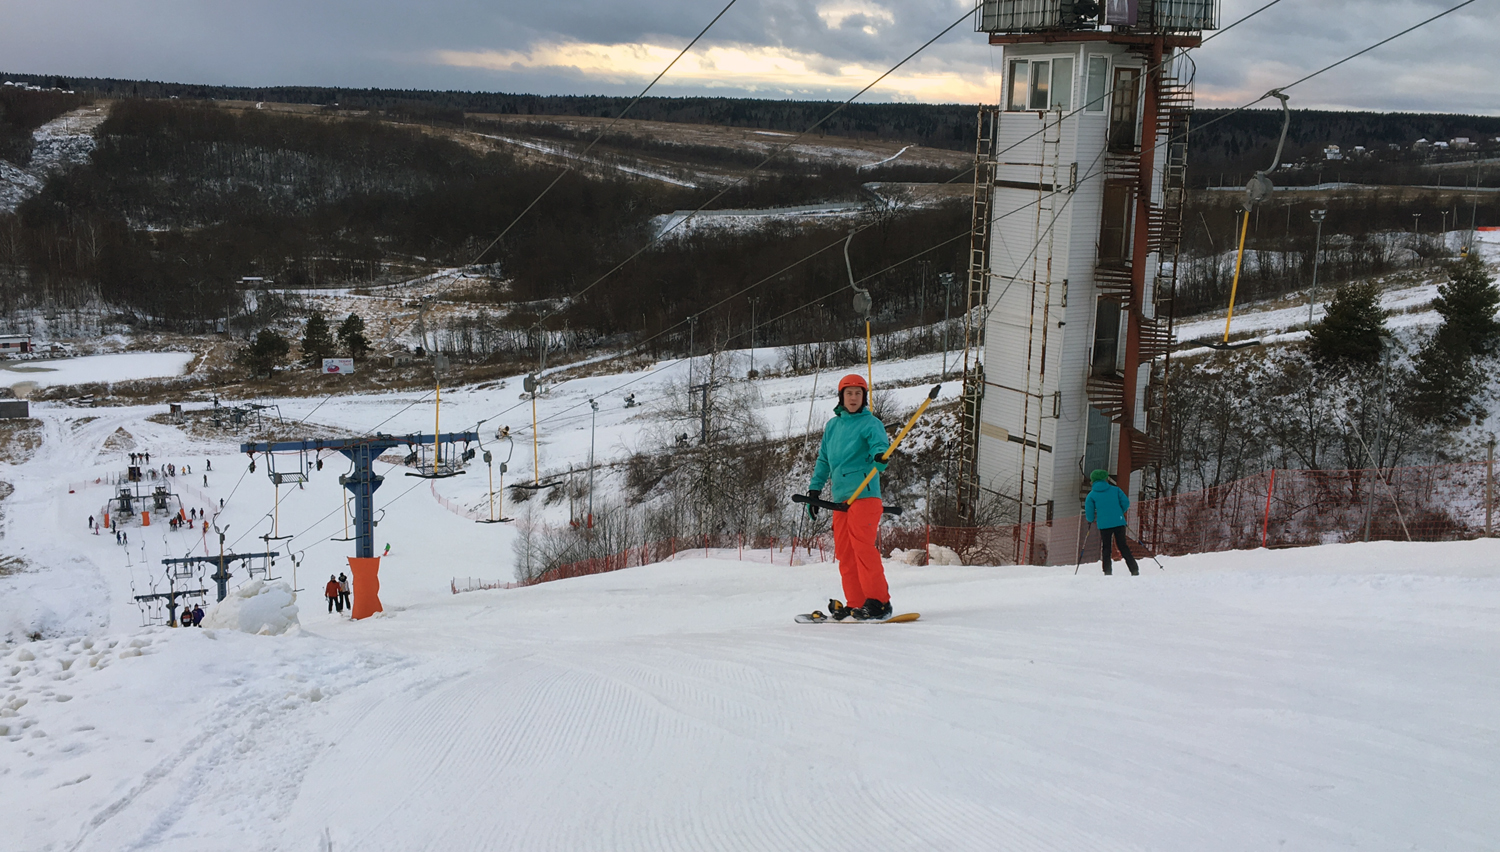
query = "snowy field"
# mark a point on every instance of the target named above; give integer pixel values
(120, 367)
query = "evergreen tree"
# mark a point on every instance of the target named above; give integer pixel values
(266, 353)
(1351, 331)
(317, 341)
(1467, 303)
(1448, 377)
(352, 336)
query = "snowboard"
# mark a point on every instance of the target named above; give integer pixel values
(820, 618)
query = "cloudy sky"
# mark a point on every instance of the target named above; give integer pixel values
(761, 48)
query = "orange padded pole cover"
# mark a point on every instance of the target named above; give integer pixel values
(365, 585)
(146, 518)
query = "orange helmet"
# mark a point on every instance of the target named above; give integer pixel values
(853, 380)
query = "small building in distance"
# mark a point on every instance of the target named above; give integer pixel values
(14, 344)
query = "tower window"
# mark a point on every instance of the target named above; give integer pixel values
(1040, 84)
(1093, 96)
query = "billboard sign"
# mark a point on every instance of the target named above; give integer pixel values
(1121, 13)
(338, 365)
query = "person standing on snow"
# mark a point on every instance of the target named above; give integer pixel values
(852, 441)
(344, 593)
(1106, 506)
(197, 615)
(331, 591)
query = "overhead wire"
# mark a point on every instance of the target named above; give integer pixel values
(1090, 175)
(600, 135)
(776, 151)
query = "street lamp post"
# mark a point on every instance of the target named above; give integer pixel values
(1312, 300)
(753, 303)
(593, 421)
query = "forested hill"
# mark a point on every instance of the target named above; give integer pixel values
(1245, 141)
(935, 125)
(1221, 141)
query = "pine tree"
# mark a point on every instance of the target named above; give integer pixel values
(1351, 331)
(352, 335)
(1467, 303)
(266, 353)
(317, 341)
(1448, 379)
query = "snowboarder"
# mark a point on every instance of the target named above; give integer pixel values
(1105, 507)
(344, 592)
(331, 591)
(387, 549)
(851, 442)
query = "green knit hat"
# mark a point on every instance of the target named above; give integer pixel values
(1100, 475)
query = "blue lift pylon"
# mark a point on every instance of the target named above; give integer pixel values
(363, 481)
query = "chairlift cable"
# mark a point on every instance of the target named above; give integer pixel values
(600, 135)
(775, 152)
(956, 237)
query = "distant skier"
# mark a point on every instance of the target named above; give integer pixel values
(344, 592)
(1106, 506)
(331, 591)
(387, 549)
(91, 521)
(851, 442)
(208, 464)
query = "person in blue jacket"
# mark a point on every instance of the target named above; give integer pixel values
(1106, 506)
(852, 444)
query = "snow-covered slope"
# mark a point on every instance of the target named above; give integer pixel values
(1335, 697)
(61, 144)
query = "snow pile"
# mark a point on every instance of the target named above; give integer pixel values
(256, 607)
(936, 555)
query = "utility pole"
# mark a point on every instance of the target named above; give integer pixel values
(1385, 369)
(1489, 490)
(1312, 300)
(947, 301)
(692, 331)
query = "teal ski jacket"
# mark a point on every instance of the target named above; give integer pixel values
(1107, 503)
(850, 444)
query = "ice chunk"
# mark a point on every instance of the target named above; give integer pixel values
(939, 555)
(256, 607)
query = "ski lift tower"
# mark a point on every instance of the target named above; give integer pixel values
(1078, 195)
(362, 482)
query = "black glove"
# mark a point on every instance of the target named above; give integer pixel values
(812, 508)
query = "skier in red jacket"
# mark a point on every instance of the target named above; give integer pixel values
(331, 591)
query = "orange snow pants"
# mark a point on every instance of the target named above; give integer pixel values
(854, 546)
